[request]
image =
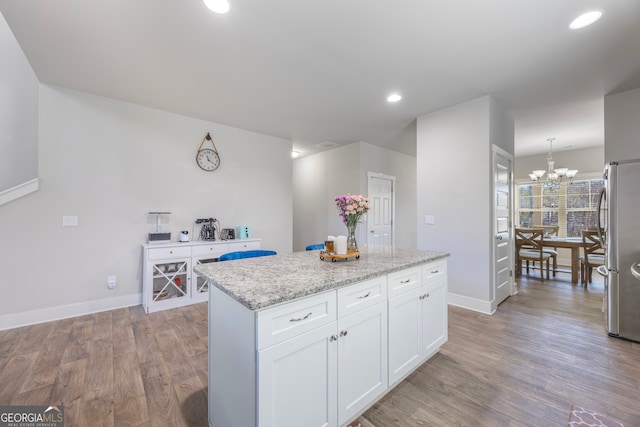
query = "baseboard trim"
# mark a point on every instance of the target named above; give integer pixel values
(470, 303)
(19, 190)
(16, 320)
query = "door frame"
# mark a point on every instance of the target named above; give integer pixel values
(391, 178)
(512, 284)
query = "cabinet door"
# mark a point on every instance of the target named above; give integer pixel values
(434, 316)
(405, 333)
(362, 360)
(297, 381)
(199, 284)
(167, 284)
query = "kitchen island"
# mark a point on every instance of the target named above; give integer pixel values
(296, 341)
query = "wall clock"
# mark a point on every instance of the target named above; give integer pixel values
(208, 159)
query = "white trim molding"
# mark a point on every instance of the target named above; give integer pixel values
(469, 303)
(10, 321)
(19, 190)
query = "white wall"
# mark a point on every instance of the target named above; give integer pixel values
(403, 167)
(319, 178)
(622, 125)
(454, 185)
(18, 114)
(586, 160)
(110, 163)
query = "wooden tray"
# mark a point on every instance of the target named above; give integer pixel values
(334, 257)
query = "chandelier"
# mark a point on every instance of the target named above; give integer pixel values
(554, 176)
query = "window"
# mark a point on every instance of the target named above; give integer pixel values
(571, 206)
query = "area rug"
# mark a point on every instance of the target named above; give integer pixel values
(580, 417)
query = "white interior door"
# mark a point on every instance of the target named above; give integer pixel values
(380, 215)
(502, 258)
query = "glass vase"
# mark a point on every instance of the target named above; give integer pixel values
(352, 244)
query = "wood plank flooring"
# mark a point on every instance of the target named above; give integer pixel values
(542, 351)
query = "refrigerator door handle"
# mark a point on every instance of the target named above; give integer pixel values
(602, 239)
(602, 270)
(635, 270)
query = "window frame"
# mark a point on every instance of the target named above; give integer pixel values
(561, 211)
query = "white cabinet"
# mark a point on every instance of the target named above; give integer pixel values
(434, 316)
(168, 279)
(417, 318)
(362, 360)
(318, 371)
(322, 360)
(298, 380)
(405, 334)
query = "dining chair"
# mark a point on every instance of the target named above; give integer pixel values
(315, 247)
(529, 247)
(245, 254)
(550, 231)
(593, 255)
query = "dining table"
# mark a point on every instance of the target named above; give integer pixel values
(573, 243)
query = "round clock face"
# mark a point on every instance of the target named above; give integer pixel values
(208, 159)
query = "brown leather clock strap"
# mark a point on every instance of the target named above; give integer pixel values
(208, 138)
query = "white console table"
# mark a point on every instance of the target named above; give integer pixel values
(168, 279)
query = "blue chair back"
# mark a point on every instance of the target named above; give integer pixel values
(315, 247)
(245, 254)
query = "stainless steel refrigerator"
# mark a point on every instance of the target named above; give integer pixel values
(619, 220)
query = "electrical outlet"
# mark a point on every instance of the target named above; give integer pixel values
(430, 219)
(111, 282)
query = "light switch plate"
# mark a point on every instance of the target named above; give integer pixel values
(70, 221)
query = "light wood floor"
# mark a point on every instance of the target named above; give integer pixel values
(542, 351)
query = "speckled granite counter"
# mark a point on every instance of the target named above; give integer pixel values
(258, 283)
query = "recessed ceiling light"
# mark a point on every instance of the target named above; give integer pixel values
(394, 97)
(585, 19)
(218, 6)
(295, 154)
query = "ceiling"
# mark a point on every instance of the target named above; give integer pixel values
(317, 71)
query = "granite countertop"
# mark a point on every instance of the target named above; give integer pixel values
(258, 283)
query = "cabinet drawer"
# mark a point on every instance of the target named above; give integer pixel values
(280, 323)
(213, 250)
(361, 295)
(405, 280)
(172, 252)
(244, 246)
(434, 271)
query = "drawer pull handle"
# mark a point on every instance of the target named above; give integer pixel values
(333, 338)
(170, 252)
(343, 333)
(301, 318)
(435, 271)
(364, 296)
(423, 296)
(405, 281)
